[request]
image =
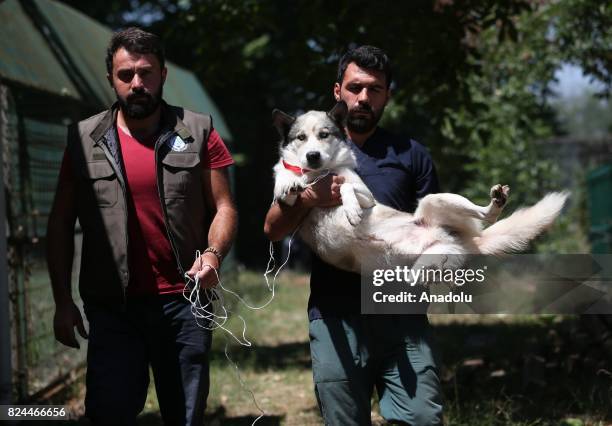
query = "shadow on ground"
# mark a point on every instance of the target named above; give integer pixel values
(262, 358)
(531, 369)
(544, 370)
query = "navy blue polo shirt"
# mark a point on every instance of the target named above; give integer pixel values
(399, 172)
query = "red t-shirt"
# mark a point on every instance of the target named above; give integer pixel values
(153, 268)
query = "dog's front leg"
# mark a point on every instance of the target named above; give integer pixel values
(351, 206)
(286, 186)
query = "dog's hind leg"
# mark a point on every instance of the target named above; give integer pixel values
(453, 209)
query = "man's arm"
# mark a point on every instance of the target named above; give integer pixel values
(224, 224)
(281, 219)
(60, 251)
(225, 216)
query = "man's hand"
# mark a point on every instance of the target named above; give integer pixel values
(324, 193)
(67, 316)
(282, 219)
(202, 269)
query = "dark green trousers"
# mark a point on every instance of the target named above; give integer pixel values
(352, 355)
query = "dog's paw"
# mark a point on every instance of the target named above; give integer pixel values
(354, 215)
(499, 194)
(288, 188)
(297, 187)
(292, 188)
(287, 191)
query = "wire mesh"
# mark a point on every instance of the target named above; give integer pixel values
(33, 146)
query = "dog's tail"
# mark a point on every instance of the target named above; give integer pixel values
(513, 233)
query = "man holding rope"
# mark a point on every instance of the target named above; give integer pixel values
(353, 353)
(149, 184)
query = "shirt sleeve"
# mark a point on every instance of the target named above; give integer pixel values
(218, 155)
(426, 178)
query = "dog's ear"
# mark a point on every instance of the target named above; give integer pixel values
(282, 122)
(338, 113)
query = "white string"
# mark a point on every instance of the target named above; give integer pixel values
(273, 261)
(206, 315)
(215, 301)
(318, 178)
(208, 311)
(243, 384)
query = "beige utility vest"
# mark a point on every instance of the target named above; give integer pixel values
(102, 205)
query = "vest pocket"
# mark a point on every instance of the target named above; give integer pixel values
(104, 182)
(181, 174)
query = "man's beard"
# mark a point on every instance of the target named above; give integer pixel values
(144, 107)
(363, 123)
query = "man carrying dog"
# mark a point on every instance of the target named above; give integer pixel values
(353, 353)
(149, 184)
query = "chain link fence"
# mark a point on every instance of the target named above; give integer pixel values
(32, 149)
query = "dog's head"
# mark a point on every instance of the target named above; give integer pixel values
(312, 139)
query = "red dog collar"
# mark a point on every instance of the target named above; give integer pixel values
(295, 169)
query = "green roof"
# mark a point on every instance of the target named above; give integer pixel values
(84, 41)
(25, 57)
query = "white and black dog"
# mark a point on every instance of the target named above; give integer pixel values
(363, 232)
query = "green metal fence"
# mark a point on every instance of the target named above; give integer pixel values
(32, 152)
(599, 183)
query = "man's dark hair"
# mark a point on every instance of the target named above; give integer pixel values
(134, 40)
(367, 57)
